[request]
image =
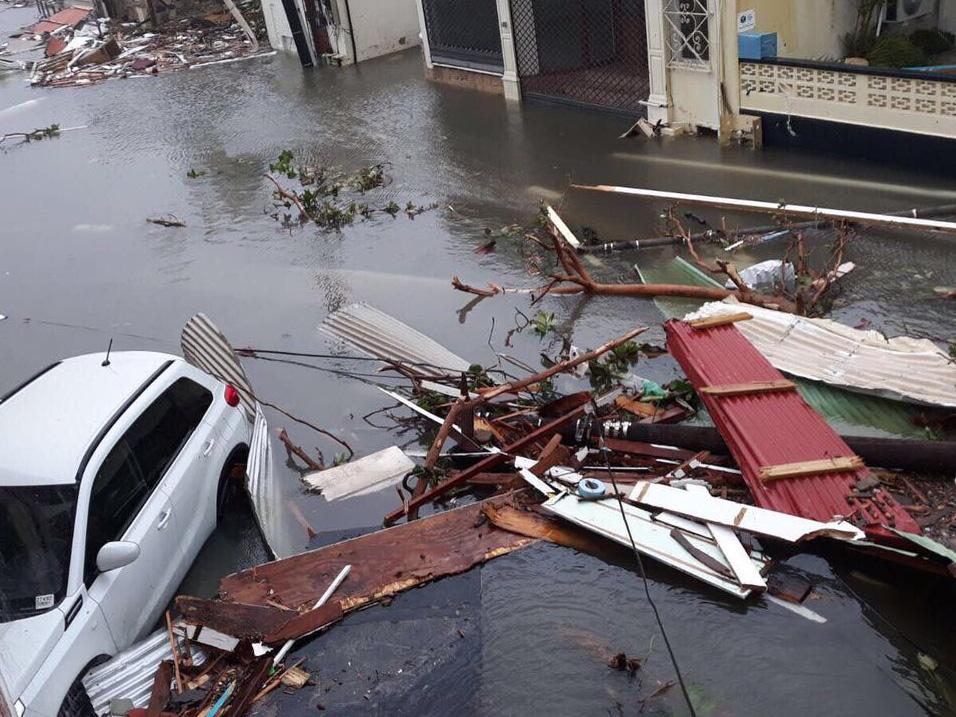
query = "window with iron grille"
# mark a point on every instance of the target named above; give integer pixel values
(688, 34)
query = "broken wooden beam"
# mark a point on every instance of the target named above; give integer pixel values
(799, 469)
(384, 563)
(722, 320)
(750, 387)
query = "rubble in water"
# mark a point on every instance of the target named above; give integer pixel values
(87, 51)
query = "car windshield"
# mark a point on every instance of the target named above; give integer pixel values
(36, 537)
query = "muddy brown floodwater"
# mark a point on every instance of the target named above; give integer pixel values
(530, 632)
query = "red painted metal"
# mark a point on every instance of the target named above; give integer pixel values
(71, 16)
(769, 429)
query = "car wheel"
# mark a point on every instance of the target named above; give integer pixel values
(77, 702)
(233, 472)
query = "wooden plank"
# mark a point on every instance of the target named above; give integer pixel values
(738, 389)
(236, 619)
(799, 469)
(712, 321)
(384, 563)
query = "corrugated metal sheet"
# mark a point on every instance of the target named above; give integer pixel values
(130, 673)
(208, 349)
(850, 413)
(377, 334)
(264, 491)
(771, 429)
(71, 16)
(902, 368)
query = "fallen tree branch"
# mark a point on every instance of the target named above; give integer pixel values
(171, 221)
(641, 290)
(296, 450)
(516, 386)
(290, 196)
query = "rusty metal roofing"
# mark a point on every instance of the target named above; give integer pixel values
(772, 429)
(71, 17)
(901, 368)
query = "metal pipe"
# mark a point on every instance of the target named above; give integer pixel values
(817, 213)
(348, 18)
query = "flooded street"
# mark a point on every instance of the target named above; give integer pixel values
(530, 632)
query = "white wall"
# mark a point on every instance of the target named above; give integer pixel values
(277, 26)
(379, 27)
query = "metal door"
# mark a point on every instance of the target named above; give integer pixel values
(464, 33)
(585, 52)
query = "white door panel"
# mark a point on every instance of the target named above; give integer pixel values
(132, 597)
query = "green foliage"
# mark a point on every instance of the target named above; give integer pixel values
(682, 390)
(283, 165)
(543, 323)
(195, 174)
(323, 194)
(933, 41)
(613, 366)
(896, 51)
(431, 400)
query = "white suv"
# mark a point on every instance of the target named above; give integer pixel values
(112, 472)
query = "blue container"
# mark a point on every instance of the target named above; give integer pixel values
(757, 45)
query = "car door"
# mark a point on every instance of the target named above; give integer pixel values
(123, 506)
(175, 449)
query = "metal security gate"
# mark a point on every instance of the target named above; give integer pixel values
(464, 33)
(584, 52)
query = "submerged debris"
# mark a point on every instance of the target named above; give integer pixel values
(328, 197)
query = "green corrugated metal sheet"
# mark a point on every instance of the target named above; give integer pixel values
(849, 413)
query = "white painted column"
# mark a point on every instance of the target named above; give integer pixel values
(426, 46)
(658, 101)
(509, 78)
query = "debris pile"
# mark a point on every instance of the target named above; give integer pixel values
(572, 454)
(80, 50)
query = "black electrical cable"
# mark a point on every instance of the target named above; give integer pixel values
(640, 563)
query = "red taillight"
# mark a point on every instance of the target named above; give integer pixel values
(231, 395)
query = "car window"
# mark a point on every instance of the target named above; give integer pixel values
(117, 496)
(157, 436)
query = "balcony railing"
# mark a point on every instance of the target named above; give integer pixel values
(908, 101)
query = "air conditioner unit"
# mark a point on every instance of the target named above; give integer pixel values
(903, 10)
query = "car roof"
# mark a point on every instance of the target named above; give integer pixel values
(47, 425)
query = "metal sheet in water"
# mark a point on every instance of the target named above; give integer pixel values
(130, 673)
(901, 368)
(376, 333)
(773, 429)
(207, 348)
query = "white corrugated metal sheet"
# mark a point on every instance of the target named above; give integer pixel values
(376, 333)
(207, 348)
(903, 369)
(130, 673)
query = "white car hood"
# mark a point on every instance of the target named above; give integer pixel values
(24, 645)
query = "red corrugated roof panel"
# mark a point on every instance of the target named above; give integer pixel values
(769, 429)
(71, 16)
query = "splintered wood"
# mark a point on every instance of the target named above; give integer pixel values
(384, 563)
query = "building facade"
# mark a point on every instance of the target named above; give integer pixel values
(340, 31)
(684, 63)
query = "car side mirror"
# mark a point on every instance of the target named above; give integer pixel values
(116, 554)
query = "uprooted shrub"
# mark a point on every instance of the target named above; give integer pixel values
(328, 197)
